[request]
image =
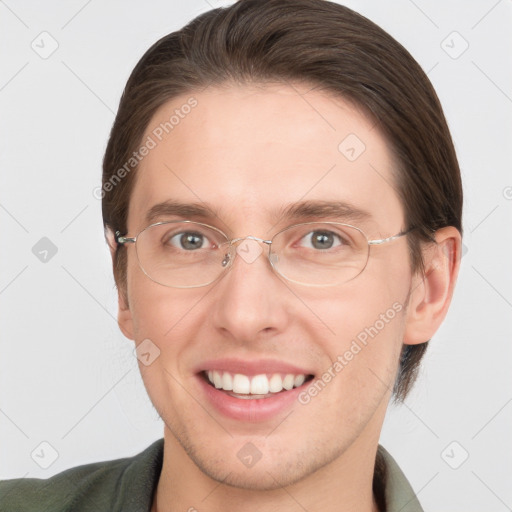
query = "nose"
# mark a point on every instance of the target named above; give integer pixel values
(248, 248)
(251, 299)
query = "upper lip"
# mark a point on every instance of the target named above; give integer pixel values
(251, 367)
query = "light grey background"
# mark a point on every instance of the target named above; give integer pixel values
(69, 378)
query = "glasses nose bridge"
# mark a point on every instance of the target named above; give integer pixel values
(250, 237)
(233, 251)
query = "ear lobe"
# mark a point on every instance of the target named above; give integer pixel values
(124, 316)
(111, 242)
(431, 293)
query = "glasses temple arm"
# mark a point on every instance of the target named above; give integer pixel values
(391, 238)
(123, 239)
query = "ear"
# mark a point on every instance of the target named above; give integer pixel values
(124, 315)
(431, 293)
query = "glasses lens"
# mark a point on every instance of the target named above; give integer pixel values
(182, 254)
(323, 254)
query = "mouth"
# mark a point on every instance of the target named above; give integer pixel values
(251, 387)
(251, 391)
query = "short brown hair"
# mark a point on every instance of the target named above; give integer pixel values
(317, 42)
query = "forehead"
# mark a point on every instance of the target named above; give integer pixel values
(250, 151)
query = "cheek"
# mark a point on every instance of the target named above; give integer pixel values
(171, 318)
(167, 318)
(161, 313)
(367, 321)
(155, 309)
(362, 355)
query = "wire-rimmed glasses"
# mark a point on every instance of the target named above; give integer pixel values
(189, 254)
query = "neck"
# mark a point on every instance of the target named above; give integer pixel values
(343, 485)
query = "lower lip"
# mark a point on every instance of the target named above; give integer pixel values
(250, 409)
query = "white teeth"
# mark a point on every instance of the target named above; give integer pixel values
(217, 379)
(299, 380)
(288, 381)
(257, 385)
(227, 381)
(241, 384)
(276, 383)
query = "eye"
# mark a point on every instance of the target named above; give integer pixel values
(188, 240)
(323, 239)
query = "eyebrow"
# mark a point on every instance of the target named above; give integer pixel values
(339, 210)
(175, 208)
(302, 210)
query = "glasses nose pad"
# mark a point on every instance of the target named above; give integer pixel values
(274, 258)
(228, 257)
(226, 260)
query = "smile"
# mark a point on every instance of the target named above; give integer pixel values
(251, 390)
(263, 385)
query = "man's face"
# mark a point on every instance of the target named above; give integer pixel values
(247, 152)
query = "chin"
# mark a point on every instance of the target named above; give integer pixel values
(261, 477)
(270, 467)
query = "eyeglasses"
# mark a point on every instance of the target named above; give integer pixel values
(189, 254)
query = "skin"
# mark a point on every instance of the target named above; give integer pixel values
(246, 150)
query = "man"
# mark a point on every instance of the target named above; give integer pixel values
(283, 203)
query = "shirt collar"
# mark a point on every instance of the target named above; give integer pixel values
(400, 496)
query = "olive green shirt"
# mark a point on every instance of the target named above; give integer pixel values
(128, 485)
